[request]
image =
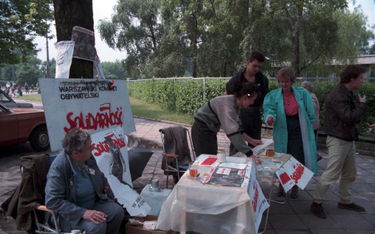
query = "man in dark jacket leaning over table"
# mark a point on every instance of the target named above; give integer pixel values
(78, 191)
(342, 113)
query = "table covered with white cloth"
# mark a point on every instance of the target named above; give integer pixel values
(206, 208)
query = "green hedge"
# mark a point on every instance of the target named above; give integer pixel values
(185, 96)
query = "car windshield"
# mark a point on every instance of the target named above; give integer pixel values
(3, 98)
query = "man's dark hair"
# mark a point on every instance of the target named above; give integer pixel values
(351, 71)
(257, 55)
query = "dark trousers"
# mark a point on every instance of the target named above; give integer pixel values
(114, 213)
(295, 145)
(204, 140)
(251, 124)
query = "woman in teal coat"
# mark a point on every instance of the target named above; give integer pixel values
(291, 112)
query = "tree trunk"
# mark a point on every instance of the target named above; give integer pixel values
(224, 69)
(70, 13)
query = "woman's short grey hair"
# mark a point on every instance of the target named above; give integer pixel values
(75, 140)
(286, 73)
(308, 84)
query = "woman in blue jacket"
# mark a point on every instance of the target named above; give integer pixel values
(291, 112)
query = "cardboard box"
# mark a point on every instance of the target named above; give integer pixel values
(138, 228)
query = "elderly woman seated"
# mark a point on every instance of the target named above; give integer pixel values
(78, 191)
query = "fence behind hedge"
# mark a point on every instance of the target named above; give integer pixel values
(187, 95)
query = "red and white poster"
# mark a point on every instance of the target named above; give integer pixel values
(258, 200)
(90, 104)
(297, 172)
(285, 180)
(111, 154)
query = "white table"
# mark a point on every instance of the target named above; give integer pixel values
(205, 208)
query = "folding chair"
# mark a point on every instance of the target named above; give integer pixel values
(176, 151)
(26, 205)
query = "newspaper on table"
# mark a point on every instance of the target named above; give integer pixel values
(206, 160)
(225, 176)
(229, 173)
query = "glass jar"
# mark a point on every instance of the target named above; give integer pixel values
(221, 156)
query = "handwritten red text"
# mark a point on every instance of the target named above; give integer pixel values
(297, 174)
(256, 195)
(103, 146)
(103, 119)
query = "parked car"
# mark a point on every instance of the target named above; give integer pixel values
(7, 101)
(19, 125)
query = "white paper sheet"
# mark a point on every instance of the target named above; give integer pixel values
(237, 159)
(266, 142)
(233, 165)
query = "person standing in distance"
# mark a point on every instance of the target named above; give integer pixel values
(251, 120)
(342, 112)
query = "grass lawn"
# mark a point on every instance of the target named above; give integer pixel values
(30, 97)
(139, 108)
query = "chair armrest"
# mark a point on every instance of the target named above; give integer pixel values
(170, 155)
(44, 208)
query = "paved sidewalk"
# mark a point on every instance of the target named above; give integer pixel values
(295, 215)
(292, 217)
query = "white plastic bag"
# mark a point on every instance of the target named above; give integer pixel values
(64, 58)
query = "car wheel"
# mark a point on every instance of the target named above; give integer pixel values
(39, 140)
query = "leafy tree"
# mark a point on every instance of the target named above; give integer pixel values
(20, 21)
(213, 31)
(136, 29)
(7, 72)
(52, 68)
(29, 72)
(354, 36)
(302, 21)
(215, 37)
(114, 70)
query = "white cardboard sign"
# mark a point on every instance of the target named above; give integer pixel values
(91, 104)
(111, 154)
(285, 180)
(259, 201)
(300, 174)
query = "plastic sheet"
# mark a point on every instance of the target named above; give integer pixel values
(155, 199)
(192, 206)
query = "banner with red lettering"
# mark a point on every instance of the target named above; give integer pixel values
(299, 174)
(258, 200)
(111, 154)
(284, 179)
(91, 104)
